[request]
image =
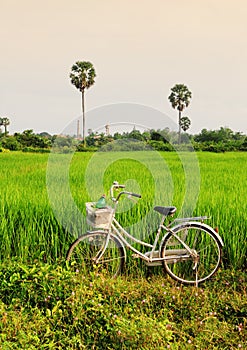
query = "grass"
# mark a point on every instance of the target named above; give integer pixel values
(49, 307)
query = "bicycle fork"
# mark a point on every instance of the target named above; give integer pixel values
(102, 250)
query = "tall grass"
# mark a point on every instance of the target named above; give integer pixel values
(223, 196)
(30, 226)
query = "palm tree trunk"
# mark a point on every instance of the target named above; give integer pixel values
(83, 118)
(179, 127)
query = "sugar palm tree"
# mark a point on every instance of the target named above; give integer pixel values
(4, 121)
(82, 76)
(185, 123)
(180, 98)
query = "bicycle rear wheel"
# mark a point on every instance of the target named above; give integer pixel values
(205, 258)
(84, 254)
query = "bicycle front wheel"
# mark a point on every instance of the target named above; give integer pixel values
(97, 252)
(198, 264)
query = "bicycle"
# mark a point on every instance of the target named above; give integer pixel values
(190, 251)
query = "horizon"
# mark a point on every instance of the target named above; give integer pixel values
(117, 131)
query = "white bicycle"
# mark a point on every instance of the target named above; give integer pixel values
(190, 251)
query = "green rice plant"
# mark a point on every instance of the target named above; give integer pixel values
(31, 226)
(28, 225)
(223, 197)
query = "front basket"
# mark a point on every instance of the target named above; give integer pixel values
(99, 218)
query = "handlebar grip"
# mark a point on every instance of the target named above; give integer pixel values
(136, 195)
(120, 186)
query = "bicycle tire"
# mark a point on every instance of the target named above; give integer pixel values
(84, 250)
(203, 241)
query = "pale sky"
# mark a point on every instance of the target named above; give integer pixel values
(139, 48)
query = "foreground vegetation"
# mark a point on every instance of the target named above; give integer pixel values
(49, 307)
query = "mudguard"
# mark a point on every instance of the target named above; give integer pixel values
(205, 227)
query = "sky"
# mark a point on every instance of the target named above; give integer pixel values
(140, 49)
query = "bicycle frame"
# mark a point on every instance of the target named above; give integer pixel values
(149, 256)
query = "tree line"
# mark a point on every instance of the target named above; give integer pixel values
(221, 140)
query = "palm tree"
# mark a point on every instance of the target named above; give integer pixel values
(185, 123)
(82, 77)
(4, 121)
(180, 98)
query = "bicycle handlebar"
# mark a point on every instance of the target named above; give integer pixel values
(129, 194)
(135, 195)
(116, 186)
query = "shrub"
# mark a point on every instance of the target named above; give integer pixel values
(35, 150)
(81, 148)
(43, 306)
(161, 146)
(10, 142)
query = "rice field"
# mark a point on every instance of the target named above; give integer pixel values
(42, 198)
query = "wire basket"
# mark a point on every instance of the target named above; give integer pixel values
(99, 218)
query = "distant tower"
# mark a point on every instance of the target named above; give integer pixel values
(107, 129)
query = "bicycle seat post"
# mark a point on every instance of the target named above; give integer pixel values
(161, 224)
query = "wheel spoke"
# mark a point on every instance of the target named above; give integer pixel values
(86, 250)
(198, 267)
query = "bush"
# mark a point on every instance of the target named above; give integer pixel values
(45, 306)
(124, 145)
(10, 143)
(35, 150)
(81, 148)
(161, 146)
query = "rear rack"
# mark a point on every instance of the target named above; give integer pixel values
(196, 218)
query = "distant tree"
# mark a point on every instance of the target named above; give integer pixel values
(185, 123)
(156, 136)
(29, 139)
(221, 135)
(243, 147)
(4, 121)
(238, 136)
(10, 142)
(90, 140)
(117, 136)
(166, 133)
(45, 134)
(136, 135)
(160, 135)
(180, 98)
(146, 135)
(82, 76)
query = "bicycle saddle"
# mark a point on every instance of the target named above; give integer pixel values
(165, 210)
